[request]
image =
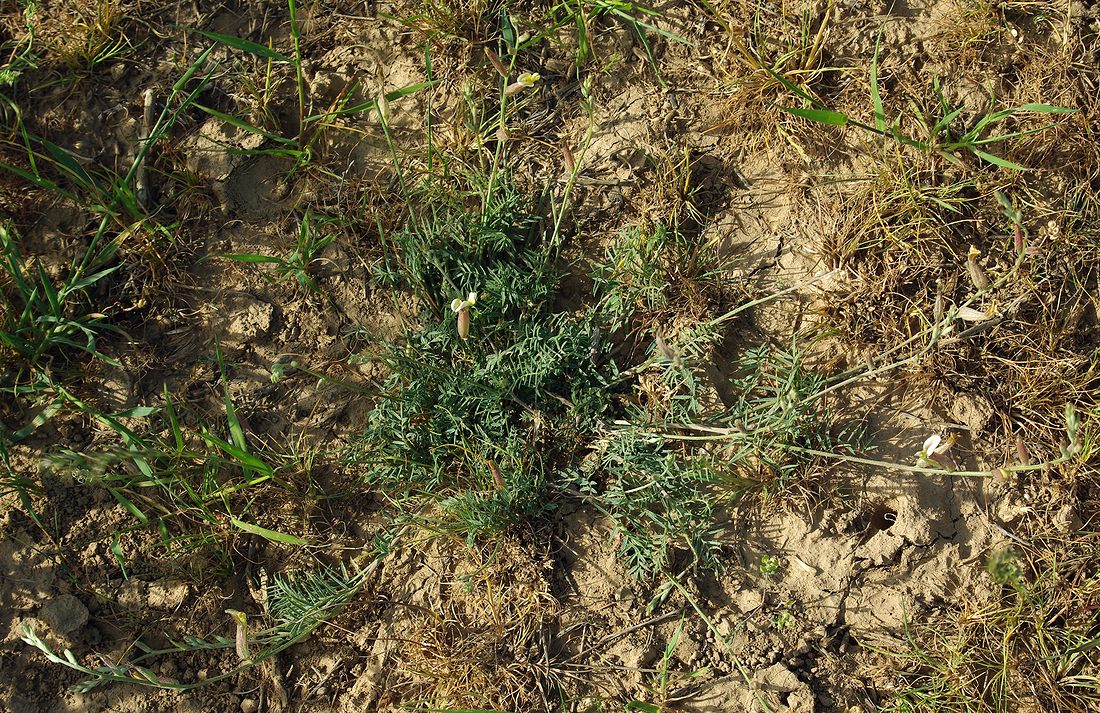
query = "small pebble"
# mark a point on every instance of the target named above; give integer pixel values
(249, 705)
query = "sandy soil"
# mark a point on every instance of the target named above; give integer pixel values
(546, 617)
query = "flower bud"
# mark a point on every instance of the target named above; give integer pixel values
(498, 479)
(241, 641)
(976, 275)
(462, 308)
(464, 322)
(570, 162)
(666, 351)
(1021, 450)
(383, 106)
(496, 62)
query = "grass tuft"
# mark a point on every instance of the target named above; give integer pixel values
(1034, 647)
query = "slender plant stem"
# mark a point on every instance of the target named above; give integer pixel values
(559, 213)
(933, 332)
(736, 434)
(295, 33)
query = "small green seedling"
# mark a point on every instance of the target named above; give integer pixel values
(1004, 567)
(941, 136)
(310, 243)
(769, 565)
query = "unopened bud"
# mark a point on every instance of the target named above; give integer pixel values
(241, 620)
(567, 154)
(464, 322)
(976, 275)
(498, 479)
(1021, 451)
(666, 351)
(495, 61)
(383, 106)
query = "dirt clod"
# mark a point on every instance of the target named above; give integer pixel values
(64, 614)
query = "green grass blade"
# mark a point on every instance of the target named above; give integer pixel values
(239, 43)
(168, 116)
(267, 534)
(246, 460)
(1046, 109)
(69, 164)
(173, 422)
(876, 97)
(1034, 108)
(14, 265)
(288, 153)
(138, 412)
(917, 114)
(649, 53)
(242, 257)
(790, 86)
(821, 116)
(941, 125)
(116, 550)
(584, 49)
(507, 31)
(28, 505)
(458, 710)
(1080, 648)
(997, 160)
(40, 418)
(642, 706)
(88, 280)
(243, 125)
(972, 136)
(630, 19)
(236, 432)
(187, 76)
(129, 505)
(372, 104)
(295, 36)
(36, 180)
(49, 291)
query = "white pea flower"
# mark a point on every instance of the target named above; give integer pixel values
(524, 81)
(458, 305)
(933, 453)
(931, 444)
(462, 309)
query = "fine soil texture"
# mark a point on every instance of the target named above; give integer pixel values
(557, 355)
